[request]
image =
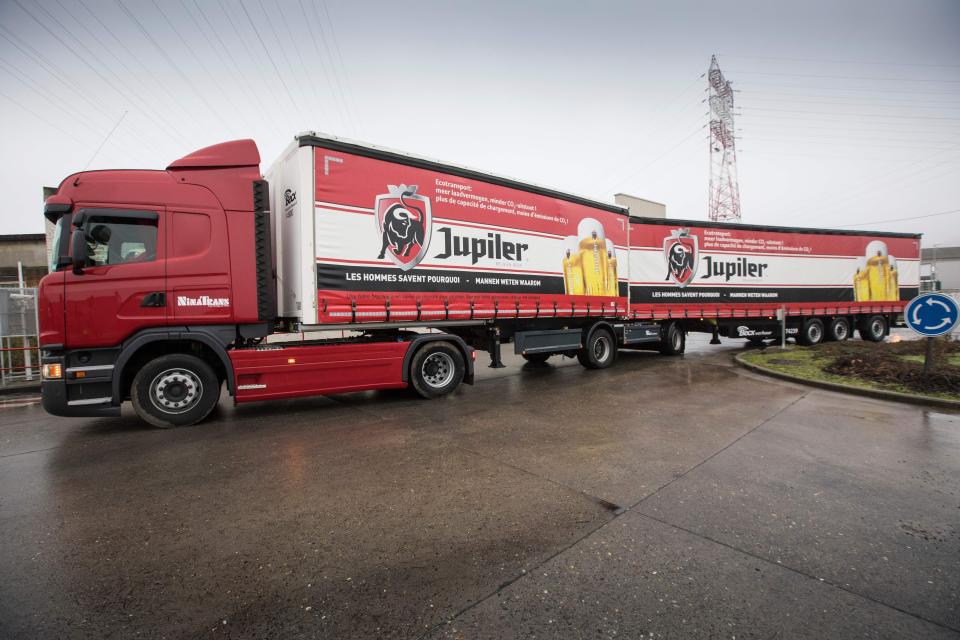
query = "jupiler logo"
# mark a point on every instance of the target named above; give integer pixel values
(680, 250)
(404, 223)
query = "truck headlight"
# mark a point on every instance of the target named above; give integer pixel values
(52, 371)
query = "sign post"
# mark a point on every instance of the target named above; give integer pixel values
(931, 315)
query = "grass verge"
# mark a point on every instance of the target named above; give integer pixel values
(886, 366)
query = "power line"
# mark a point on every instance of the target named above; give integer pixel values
(273, 62)
(339, 100)
(834, 61)
(170, 61)
(656, 119)
(354, 114)
(303, 65)
(851, 114)
(110, 133)
(85, 60)
(929, 215)
(813, 75)
(870, 90)
(264, 113)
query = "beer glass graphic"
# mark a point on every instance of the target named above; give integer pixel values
(877, 274)
(893, 280)
(861, 284)
(613, 288)
(572, 269)
(593, 256)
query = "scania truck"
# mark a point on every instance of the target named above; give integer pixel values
(349, 267)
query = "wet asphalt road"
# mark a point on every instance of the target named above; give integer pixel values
(665, 497)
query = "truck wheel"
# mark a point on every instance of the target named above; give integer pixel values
(674, 340)
(536, 358)
(811, 332)
(176, 390)
(436, 369)
(838, 330)
(873, 329)
(599, 352)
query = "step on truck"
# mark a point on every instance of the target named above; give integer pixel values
(349, 267)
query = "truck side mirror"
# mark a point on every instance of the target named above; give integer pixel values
(78, 250)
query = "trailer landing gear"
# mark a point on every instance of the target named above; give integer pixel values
(716, 336)
(493, 337)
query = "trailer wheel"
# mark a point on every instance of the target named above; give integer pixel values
(674, 340)
(436, 369)
(811, 332)
(873, 329)
(536, 358)
(599, 352)
(838, 330)
(175, 390)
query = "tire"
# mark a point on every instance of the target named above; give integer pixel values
(436, 369)
(674, 340)
(838, 330)
(536, 358)
(811, 332)
(600, 350)
(175, 390)
(873, 329)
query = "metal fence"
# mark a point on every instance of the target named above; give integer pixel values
(19, 355)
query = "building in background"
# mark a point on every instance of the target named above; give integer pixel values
(940, 269)
(30, 250)
(641, 206)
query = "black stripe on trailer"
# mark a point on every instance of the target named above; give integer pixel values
(453, 170)
(707, 224)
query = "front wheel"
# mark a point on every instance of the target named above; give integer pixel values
(175, 390)
(599, 352)
(436, 369)
(873, 329)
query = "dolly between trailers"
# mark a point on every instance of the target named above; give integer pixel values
(168, 285)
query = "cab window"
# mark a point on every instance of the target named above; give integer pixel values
(112, 240)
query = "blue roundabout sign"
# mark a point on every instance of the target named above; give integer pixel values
(932, 314)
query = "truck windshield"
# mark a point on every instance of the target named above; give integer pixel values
(58, 235)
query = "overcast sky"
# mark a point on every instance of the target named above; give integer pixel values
(848, 112)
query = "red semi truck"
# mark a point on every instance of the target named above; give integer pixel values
(350, 267)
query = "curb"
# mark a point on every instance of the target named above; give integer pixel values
(32, 389)
(895, 396)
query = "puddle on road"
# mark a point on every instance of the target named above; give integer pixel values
(14, 402)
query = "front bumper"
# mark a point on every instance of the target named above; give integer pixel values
(82, 392)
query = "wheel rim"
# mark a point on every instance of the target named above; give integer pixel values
(676, 340)
(437, 370)
(175, 391)
(814, 334)
(601, 349)
(876, 328)
(840, 331)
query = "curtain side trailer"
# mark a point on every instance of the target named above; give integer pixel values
(350, 267)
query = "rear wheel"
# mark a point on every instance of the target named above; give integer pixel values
(536, 358)
(599, 352)
(674, 341)
(176, 390)
(838, 330)
(436, 369)
(873, 329)
(811, 332)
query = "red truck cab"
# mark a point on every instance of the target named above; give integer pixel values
(151, 262)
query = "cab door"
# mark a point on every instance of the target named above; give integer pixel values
(121, 287)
